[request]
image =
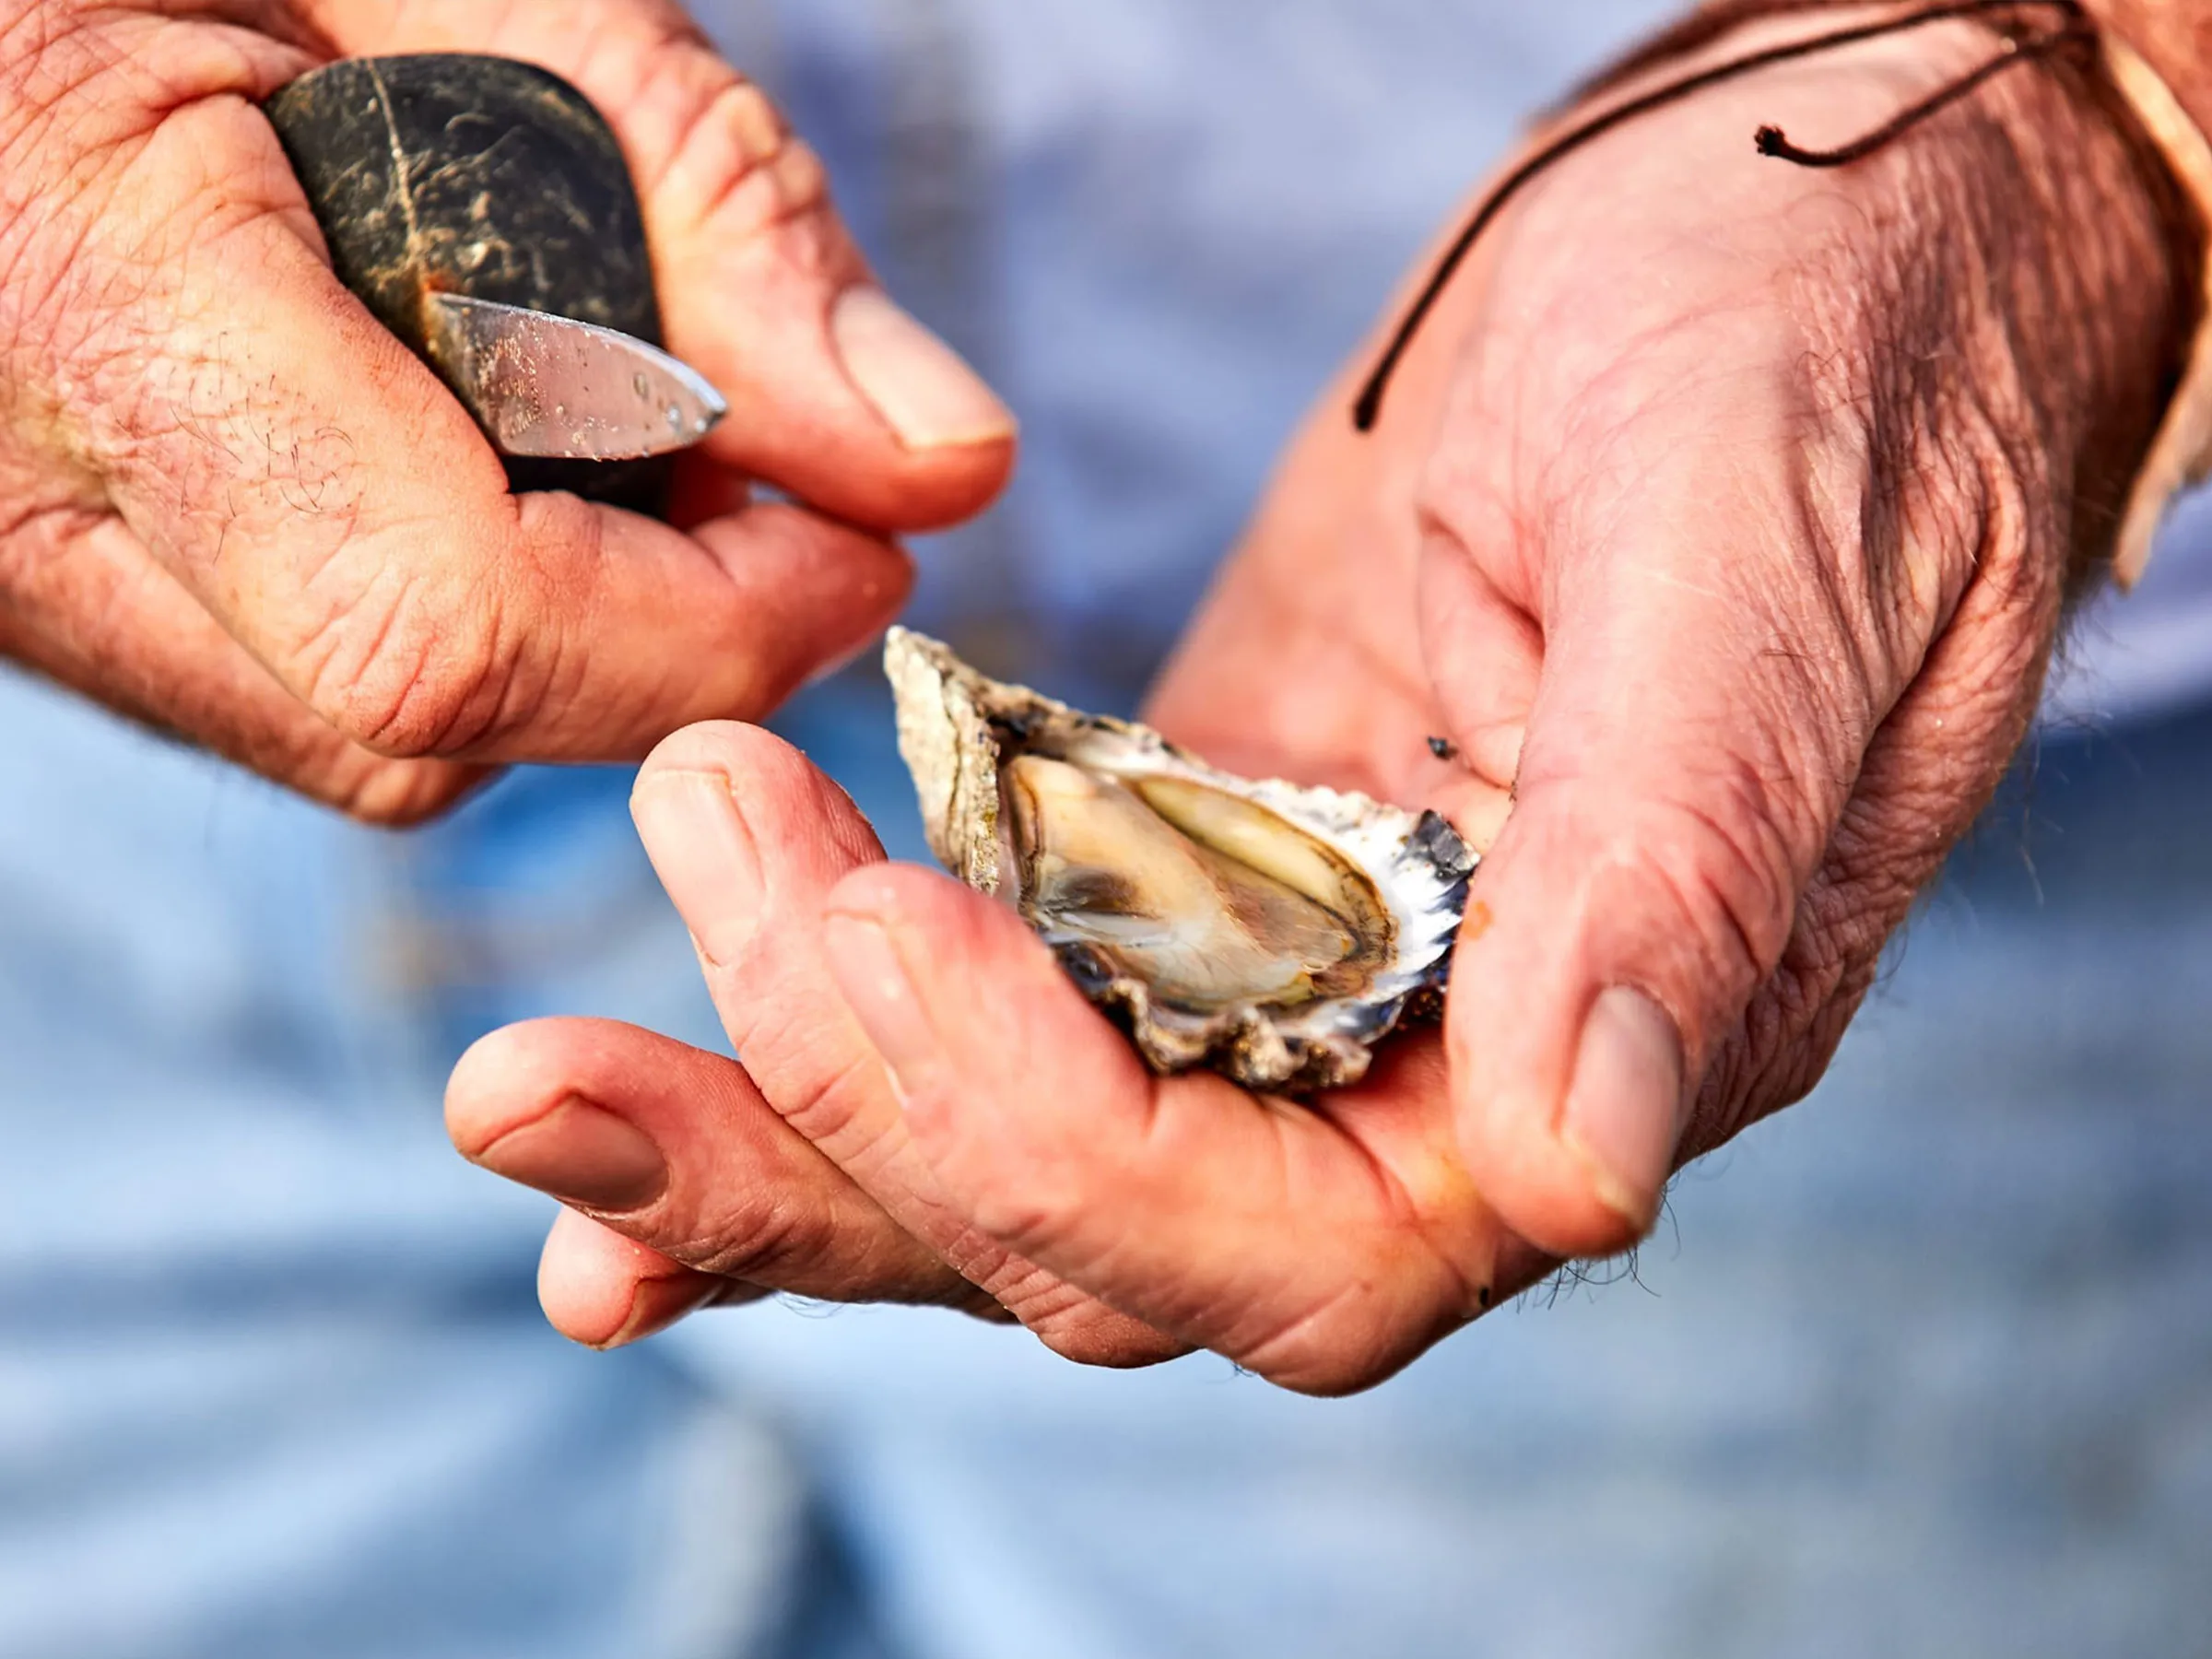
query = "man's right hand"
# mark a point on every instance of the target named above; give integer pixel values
(234, 507)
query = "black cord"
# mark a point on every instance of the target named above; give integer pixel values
(1770, 140)
(1773, 141)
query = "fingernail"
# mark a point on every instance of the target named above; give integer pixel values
(704, 855)
(1623, 1110)
(583, 1155)
(877, 988)
(916, 382)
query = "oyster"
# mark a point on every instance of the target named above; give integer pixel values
(1274, 932)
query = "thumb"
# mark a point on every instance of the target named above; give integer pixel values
(1694, 734)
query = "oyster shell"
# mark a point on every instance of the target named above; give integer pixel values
(1274, 932)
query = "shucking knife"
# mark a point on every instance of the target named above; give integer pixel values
(482, 209)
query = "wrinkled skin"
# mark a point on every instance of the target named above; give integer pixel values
(218, 514)
(1722, 520)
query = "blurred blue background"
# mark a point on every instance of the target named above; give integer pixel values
(1921, 1368)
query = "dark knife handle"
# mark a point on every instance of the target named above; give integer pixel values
(452, 173)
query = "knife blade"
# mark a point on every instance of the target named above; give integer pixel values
(542, 384)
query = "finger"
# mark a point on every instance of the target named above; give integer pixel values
(86, 604)
(271, 455)
(750, 840)
(1704, 710)
(605, 1291)
(836, 394)
(674, 1148)
(1486, 677)
(1257, 1228)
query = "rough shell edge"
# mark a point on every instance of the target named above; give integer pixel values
(945, 712)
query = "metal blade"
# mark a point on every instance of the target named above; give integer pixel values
(541, 384)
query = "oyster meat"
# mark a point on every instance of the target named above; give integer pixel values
(1274, 932)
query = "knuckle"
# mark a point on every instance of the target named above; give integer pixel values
(816, 1080)
(739, 129)
(1331, 1377)
(407, 702)
(1700, 874)
(1724, 862)
(763, 1241)
(1328, 1364)
(789, 190)
(414, 663)
(391, 675)
(1028, 1217)
(1360, 1332)
(731, 163)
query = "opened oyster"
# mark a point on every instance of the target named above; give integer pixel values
(1274, 932)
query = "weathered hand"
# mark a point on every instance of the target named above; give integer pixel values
(1738, 520)
(796, 1171)
(1724, 520)
(238, 510)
